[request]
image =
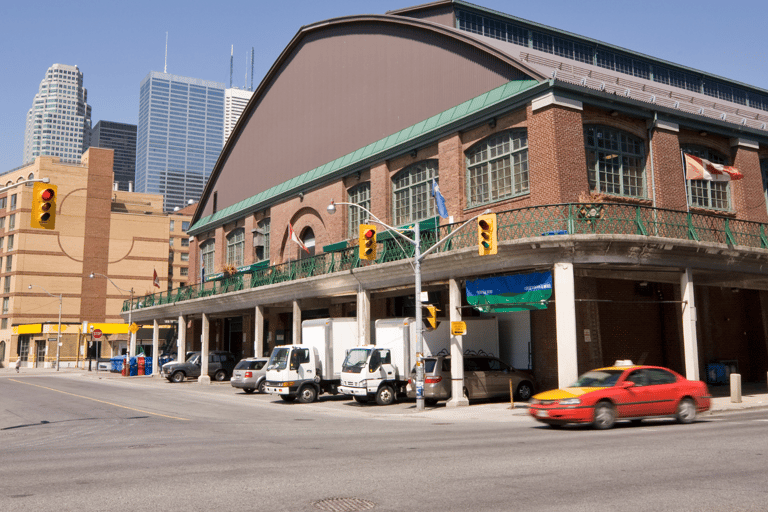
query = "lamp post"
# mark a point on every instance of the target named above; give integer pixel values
(417, 257)
(58, 331)
(131, 345)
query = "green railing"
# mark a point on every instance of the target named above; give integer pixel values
(550, 220)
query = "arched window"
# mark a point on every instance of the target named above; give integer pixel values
(615, 161)
(235, 247)
(261, 239)
(308, 239)
(497, 168)
(704, 193)
(359, 195)
(207, 252)
(411, 193)
(31, 177)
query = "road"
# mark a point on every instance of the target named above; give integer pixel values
(84, 444)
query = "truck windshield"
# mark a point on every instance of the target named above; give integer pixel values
(193, 358)
(279, 359)
(356, 359)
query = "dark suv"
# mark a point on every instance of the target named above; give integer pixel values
(220, 366)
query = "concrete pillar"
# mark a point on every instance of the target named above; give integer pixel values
(457, 348)
(204, 378)
(736, 388)
(258, 332)
(155, 346)
(565, 317)
(296, 323)
(132, 347)
(690, 342)
(363, 317)
(181, 341)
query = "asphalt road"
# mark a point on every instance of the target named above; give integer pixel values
(81, 444)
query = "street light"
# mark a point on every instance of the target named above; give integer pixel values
(417, 257)
(58, 331)
(131, 346)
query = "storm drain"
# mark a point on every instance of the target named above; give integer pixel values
(344, 504)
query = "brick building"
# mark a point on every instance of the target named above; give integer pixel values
(577, 145)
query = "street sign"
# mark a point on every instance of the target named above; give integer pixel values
(52, 339)
(458, 328)
(134, 327)
(97, 333)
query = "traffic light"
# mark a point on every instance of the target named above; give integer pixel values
(430, 317)
(367, 242)
(486, 234)
(43, 206)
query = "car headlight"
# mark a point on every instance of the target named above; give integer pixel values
(570, 401)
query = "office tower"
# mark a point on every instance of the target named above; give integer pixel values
(59, 122)
(235, 101)
(121, 138)
(180, 133)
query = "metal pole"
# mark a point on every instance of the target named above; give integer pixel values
(58, 337)
(419, 327)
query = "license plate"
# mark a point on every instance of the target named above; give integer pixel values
(542, 414)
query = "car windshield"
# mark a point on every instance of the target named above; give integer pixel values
(279, 359)
(356, 359)
(193, 358)
(598, 379)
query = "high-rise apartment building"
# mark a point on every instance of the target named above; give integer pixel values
(59, 122)
(121, 138)
(235, 101)
(180, 135)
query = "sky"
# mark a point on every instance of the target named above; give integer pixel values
(116, 44)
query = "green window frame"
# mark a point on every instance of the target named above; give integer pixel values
(713, 195)
(361, 196)
(412, 199)
(497, 168)
(615, 161)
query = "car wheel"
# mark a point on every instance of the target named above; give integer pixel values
(361, 399)
(249, 390)
(307, 394)
(220, 375)
(524, 391)
(385, 395)
(430, 402)
(178, 377)
(288, 398)
(605, 416)
(263, 387)
(686, 411)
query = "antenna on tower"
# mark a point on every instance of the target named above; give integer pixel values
(165, 66)
(251, 69)
(245, 84)
(231, 65)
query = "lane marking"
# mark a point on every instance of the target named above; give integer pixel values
(100, 401)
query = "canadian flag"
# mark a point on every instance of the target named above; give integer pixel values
(700, 169)
(296, 239)
(155, 279)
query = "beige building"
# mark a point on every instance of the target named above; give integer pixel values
(122, 238)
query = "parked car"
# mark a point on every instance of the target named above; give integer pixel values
(484, 377)
(250, 374)
(619, 392)
(220, 366)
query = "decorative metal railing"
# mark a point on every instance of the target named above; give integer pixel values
(549, 220)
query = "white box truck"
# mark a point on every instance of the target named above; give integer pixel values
(305, 371)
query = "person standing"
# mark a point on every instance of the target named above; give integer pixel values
(18, 364)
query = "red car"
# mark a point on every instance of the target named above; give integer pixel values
(604, 395)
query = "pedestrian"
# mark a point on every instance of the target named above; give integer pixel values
(18, 364)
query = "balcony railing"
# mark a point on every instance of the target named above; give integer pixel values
(550, 220)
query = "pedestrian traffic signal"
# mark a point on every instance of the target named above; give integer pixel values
(43, 206)
(367, 242)
(430, 317)
(486, 234)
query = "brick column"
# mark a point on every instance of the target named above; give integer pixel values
(668, 175)
(748, 197)
(452, 174)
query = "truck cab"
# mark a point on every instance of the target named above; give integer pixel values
(369, 374)
(293, 371)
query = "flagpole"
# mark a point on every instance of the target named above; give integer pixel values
(685, 180)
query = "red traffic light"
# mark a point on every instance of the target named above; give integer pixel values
(47, 194)
(369, 233)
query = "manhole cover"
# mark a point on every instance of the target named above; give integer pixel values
(344, 504)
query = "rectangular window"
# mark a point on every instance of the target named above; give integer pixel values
(173, 223)
(185, 256)
(6, 302)
(4, 323)
(170, 242)
(8, 263)
(184, 271)
(10, 242)
(12, 222)
(13, 201)
(7, 284)
(185, 242)
(261, 240)
(184, 225)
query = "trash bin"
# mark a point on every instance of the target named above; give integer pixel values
(716, 374)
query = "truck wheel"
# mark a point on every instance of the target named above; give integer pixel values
(178, 377)
(361, 399)
(307, 394)
(288, 398)
(220, 375)
(385, 395)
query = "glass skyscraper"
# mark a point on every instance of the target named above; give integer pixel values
(59, 122)
(121, 138)
(180, 134)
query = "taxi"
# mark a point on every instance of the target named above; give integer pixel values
(622, 392)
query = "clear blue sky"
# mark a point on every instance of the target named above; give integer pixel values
(116, 44)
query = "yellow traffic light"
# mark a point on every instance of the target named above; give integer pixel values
(367, 242)
(43, 206)
(430, 317)
(486, 234)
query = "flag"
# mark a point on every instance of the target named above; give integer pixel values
(439, 200)
(155, 279)
(296, 239)
(699, 169)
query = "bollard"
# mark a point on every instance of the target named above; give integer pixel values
(736, 388)
(126, 365)
(140, 363)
